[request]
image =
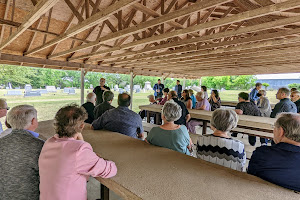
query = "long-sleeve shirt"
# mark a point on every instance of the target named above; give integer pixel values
(65, 166)
(264, 107)
(178, 89)
(253, 95)
(284, 105)
(159, 87)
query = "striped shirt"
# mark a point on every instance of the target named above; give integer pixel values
(227, 152)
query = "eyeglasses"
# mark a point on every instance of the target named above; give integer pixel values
(7, 108)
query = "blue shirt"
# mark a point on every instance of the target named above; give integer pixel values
(34, 134)
(253, 95)
(177, 140)
(279, 164)
(178, 89)
(121, 120)
(194, 101)
(284, 105)
(159, 87)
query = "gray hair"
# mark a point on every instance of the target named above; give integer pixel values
(200, 94)
(224, 119)
(2, 102)
(172, 111)
(290, 123)
(263, 92)
(108, 95)
(284, 90)
(20, 117)
(90, 96)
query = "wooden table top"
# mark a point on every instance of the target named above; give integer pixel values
(149, 172)
(244, 120)
(234, 103)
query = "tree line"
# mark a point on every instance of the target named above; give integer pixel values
(18, 76)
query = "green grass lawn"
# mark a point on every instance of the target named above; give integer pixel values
(48, 104)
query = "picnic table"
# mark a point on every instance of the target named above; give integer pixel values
(234, 103)
(251, 125)
(150, 172)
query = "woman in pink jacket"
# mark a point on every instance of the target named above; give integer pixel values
(67, 161)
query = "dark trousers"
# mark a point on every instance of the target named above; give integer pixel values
(252, 139)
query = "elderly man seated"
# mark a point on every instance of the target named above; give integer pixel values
(3, 111)
(19, 153)
(143, 113)
(279, 163)
(121, 119)
(295, 97)
(285, 104)
(89, 107)
(108, 97)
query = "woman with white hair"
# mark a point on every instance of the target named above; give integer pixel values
(89, 106)
(218, 147)
(202, 104)
(170, 135)
(263, 104)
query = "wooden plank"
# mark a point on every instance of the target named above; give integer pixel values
(135, 29)
(74, 10)
(215, 23)
(7, 4)
(42, 7)
(47, 25)
(87, 9)
(88, 23)
(34, 34)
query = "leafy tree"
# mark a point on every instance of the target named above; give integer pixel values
(266, 85)
(294, 85)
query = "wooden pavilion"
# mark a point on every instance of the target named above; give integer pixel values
(167, 38)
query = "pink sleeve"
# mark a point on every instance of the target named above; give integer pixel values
(88, 163)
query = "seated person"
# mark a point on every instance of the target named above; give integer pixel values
(89, 106)
(186, 99)
(285, 104)
(170, 135)
(218, 147)
(202, 104)
(3, 111)
(279, 163)
(204, 90)
(293, 89)
(194, 101)
(185, 115)
(121, 119)
(263, 104)
(143, 113)
(165, 99)
(67, 161)
(214, 100)
(7, 131)
(295, 97)
(247, 107)
(19, 154)
(108, 97)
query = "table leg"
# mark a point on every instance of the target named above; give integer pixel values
(104, 192)
(204, 127)
(157, 115)
(148, 116)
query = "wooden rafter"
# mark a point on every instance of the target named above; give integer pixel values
(88, 23)
(4, 17)
(74, 10)
(42, 7)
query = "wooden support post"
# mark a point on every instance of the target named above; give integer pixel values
(82, 87)
(104, 192)
(131, 88)
(183, 85)
(200, 82)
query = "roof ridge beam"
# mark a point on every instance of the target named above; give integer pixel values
(41, 8)
(88, 23)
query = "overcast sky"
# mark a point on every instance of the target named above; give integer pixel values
(279, 76)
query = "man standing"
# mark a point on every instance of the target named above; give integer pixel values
(254, 92)
(121, 119)
(285, 104)
(178, 89)
(158, 89)
(99, 90)
(279, 163)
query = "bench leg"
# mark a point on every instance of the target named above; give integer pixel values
(204, 127)
(148, 116)
(104, 192)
